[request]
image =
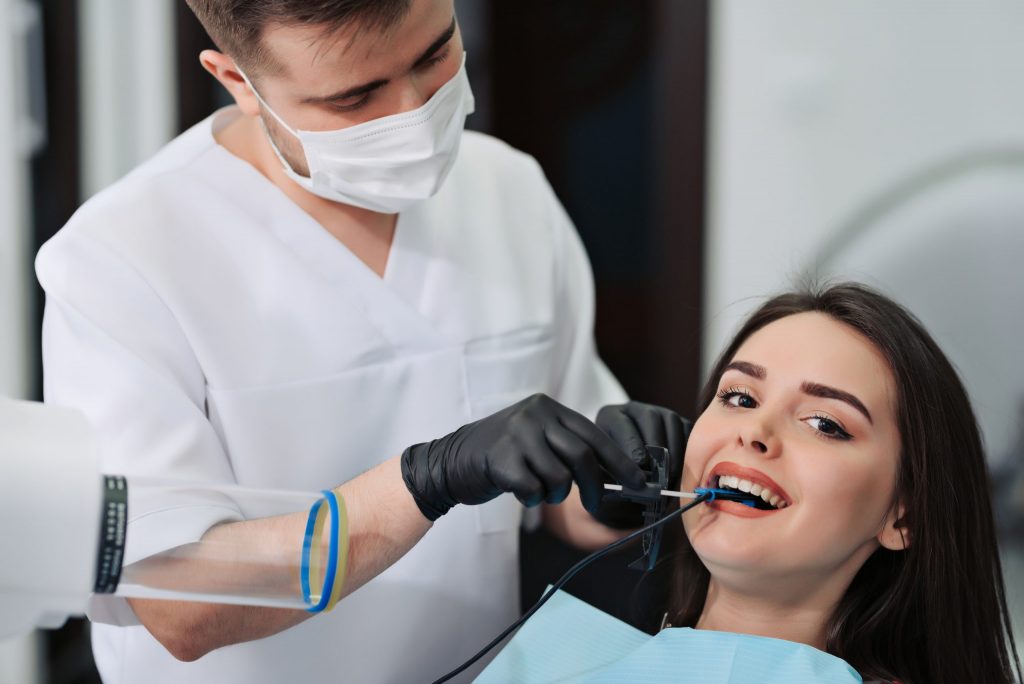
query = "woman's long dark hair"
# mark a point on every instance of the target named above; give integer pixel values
(935, 612)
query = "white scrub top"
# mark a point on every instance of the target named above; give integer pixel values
(212, 331)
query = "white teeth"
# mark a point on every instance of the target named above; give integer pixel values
(766, 494)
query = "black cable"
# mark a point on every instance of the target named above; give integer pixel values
(570, 573)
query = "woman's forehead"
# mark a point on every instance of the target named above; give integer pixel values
(814, 347)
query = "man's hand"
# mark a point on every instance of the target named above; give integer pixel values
(534, 449)
(634, 426)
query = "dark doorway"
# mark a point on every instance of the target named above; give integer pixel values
(610, 97)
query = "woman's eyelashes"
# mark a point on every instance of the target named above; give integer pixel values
(827, 427)
(738, 397)
(822, 424)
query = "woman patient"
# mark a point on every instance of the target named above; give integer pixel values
(882, 549)
(839, 409)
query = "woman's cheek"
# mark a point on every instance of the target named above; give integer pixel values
(698, 453)
(843, 498)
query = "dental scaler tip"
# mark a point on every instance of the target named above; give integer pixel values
(724, 494)
(664, 492)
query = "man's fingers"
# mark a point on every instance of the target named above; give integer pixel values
(514, 475)
(547, 465)
(651, 423)
(580, 458)
(610, 455)
(678, 430)
(621, 427)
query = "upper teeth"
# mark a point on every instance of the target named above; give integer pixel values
(757, 490)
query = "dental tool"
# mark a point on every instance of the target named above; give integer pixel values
(744, 498)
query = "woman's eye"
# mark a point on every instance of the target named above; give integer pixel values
(737, 398)
(828, 427)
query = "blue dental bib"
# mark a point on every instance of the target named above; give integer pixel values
(571, 642)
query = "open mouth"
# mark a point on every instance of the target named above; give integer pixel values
(766, 498)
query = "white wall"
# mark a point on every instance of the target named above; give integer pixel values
(19, 658)
(128, 85)
(818, 106)
(14, 220)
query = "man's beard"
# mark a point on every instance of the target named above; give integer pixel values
(287, 144)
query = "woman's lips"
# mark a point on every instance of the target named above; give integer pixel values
(742, 510)
(752, 476)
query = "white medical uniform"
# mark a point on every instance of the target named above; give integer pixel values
(211, 330)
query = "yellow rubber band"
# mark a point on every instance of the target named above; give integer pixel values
(342, 546)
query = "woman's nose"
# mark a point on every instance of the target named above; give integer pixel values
(756, 434)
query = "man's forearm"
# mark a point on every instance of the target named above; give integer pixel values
(384, 523)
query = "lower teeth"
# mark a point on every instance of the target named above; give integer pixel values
(759, 503)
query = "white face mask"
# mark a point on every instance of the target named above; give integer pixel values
(386, 164)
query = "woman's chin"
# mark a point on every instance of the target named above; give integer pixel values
(753, 556)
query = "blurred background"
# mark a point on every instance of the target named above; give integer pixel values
(710, 152)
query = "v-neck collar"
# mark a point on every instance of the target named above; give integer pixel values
(389, 300)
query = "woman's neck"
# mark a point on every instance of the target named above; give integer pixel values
(762, 613)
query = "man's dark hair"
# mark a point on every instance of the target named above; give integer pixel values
(237, 26)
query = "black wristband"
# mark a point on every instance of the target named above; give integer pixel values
(113, 528)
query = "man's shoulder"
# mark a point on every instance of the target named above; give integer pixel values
(484, 155)
(144, 212)
(162, 187)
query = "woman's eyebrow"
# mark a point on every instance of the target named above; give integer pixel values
(747, 368)
(825, 392)
(815, 389)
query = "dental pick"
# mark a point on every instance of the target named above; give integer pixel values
(724, 494)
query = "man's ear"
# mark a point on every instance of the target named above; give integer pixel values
(895, 534)
(224, 69)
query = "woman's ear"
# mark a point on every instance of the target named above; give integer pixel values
(895, 534)
(224, 69)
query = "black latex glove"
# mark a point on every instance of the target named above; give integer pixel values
(633, 425)
(534, 449)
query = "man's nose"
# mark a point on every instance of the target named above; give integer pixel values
(414, 94)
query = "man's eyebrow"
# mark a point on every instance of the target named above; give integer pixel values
(348, 93)
(436, 45)
(365, 88)
(824, 391)
(747, 368)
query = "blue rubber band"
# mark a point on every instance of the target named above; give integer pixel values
(307, 544)
(332, 554)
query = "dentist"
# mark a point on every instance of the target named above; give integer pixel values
(298, 288)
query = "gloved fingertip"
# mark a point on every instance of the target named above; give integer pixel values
(641, 457)
(638, 480)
